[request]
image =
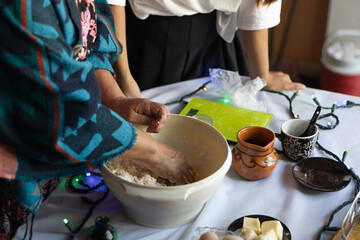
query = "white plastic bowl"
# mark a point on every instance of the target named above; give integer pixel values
(206, 151)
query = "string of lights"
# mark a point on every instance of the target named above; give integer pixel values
(87, 216)
(329, 126)
(85, 183)
(78, 184)
(342, 105)
(181, 100)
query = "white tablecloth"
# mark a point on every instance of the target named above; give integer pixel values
(303, 210)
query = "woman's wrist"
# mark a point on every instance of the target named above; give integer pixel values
(145, 148)
(110, 90)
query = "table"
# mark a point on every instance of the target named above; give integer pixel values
(303, 210)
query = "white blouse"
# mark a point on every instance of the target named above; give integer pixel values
(116, 2)
(231, 14)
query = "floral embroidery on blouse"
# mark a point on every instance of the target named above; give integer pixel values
(88, 27)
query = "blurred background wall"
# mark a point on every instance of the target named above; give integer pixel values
(296, 43)
(343, 14)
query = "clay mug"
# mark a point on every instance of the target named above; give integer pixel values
(254, 156)
(294, 147)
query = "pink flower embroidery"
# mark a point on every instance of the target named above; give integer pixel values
(88, 28)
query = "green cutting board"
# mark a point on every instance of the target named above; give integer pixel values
(226, 118)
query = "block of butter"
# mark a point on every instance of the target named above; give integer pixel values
(275, 225)
(269, 235)
(252, 224)
(267, 230)
(249, 234)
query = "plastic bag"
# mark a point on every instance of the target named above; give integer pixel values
(241, 93)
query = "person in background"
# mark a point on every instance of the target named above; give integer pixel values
(170, 41)
(124, 77)
(57, 116)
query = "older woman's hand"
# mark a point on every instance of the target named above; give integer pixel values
(171, 165)
(135, 110)
(163, 160)
(142, 111)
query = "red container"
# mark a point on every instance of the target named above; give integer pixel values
(341, 62)
(341, 83)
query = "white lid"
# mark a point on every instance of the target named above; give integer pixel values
(341, 52)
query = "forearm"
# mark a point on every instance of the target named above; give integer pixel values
(144, 149)
(257, 55)
(110, 90)
(162, 160)
(123, 75)
(256, 48)
(59, 107)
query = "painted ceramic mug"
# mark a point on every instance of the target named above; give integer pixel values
(294, 147)
(254, 156)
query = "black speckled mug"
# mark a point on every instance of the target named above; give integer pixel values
(294, 147)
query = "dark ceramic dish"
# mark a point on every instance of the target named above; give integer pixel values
(238, 223)
(322, 174)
